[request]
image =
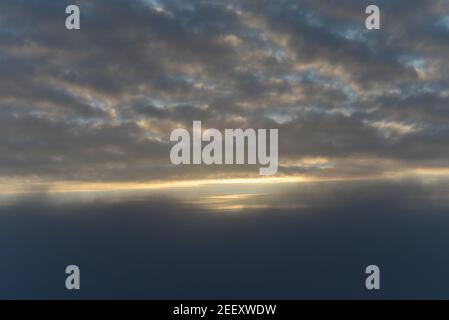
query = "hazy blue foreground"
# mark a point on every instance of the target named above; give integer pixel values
(157, 247)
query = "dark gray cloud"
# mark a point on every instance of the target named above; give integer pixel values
(99, 103)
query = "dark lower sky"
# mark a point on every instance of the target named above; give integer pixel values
(162, 249)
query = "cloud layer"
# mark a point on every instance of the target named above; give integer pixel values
(99, 104)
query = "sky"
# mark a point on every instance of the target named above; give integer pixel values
(85, 171)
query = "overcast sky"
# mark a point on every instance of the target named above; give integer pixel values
(85, 121)
(99, 104)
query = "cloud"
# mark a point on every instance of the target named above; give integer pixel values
(99, 104)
